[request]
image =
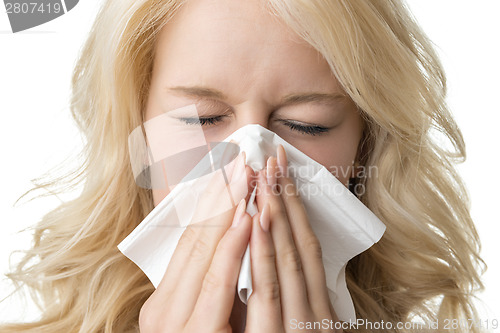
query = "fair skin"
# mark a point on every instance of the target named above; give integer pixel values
(240, 66)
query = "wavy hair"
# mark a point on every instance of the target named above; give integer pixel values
(427, 265)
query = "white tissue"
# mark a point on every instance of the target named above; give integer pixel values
(343, 225)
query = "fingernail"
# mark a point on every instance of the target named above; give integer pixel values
(282, 160)
(271, 171)
(265, 219)
(239, 214)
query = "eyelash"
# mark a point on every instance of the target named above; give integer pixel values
(309, 130)
(203, 121)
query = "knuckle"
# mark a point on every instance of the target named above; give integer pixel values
(291, 260)
(270, 291)
(201, 250)
(278, 208)
(198, 247)
(268, 254)
(189, 237)
(313, 246)
(290, 190)
(212, 282)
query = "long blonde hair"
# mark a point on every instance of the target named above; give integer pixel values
(426, 265)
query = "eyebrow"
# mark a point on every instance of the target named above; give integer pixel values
(291, 99)
(201, 92)
(323, 98)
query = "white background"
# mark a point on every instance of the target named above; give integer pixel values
(37, 132)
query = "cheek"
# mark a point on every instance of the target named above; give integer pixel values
(336, 156)
(336, 151)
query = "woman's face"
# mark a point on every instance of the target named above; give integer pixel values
(239, 65)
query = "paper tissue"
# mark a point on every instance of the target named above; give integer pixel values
(344, 226)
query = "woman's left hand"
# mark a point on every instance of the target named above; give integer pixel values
(289, 283)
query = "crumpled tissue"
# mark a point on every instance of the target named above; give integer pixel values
(344, 226)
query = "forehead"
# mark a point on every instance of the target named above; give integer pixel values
(230, 21)
(215, 40)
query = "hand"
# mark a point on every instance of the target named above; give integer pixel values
(197, 291)
(289, 283)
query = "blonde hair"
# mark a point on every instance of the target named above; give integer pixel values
(426, 265)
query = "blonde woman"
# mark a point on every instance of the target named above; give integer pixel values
(366, 86)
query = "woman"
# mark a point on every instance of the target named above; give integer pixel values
(342, 81)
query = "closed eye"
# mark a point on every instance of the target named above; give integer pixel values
(203, 121)
(309, 129)
(303, 128)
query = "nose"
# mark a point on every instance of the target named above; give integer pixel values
(253, 113)
(254, 144)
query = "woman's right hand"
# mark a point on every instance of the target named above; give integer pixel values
(197, 291)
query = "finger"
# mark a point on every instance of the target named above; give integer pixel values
(215, 302)
(306, 242)
(193, 232)
(191, 235)
(193, 254)
(223, 192)
(288, 264)
(265, 299)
